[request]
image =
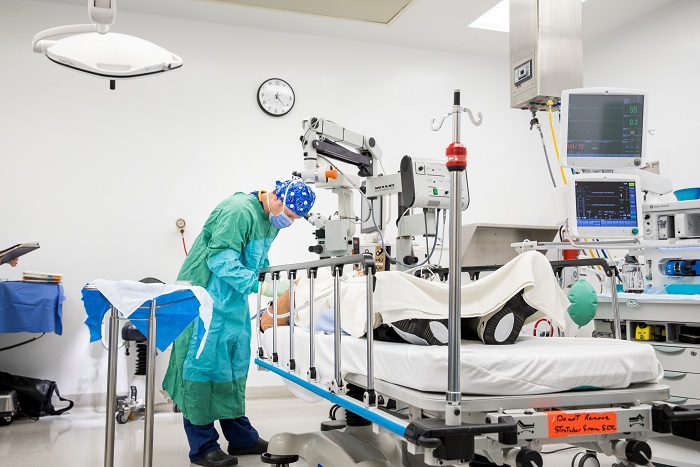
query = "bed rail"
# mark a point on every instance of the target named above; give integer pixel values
(311, 267)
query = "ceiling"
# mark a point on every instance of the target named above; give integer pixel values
(429, 24)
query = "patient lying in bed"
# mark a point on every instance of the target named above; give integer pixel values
(414, 310)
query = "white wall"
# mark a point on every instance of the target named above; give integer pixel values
(661, 56)
(99, 176)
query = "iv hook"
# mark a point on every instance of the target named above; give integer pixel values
(471, 117)
(435, 126)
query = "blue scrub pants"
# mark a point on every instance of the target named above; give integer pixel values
(203, 438)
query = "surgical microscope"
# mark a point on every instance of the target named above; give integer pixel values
(419, 184)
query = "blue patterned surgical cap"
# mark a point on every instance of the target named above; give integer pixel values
(296, 195)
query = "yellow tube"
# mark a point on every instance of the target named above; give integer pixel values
(554, 138)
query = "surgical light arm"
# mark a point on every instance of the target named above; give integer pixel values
(102, 14)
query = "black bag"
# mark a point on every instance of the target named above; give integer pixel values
(34, 395)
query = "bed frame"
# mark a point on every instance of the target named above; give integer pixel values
(390, 425)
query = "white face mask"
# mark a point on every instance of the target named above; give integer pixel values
(280, 220)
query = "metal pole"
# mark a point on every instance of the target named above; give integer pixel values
(336, 329)
(111, 387)
(312, 335)
(369, 394)
(292, 361)
(615, 307)
(275, 357)
(150, 387)
(454, 151)
(258, 331)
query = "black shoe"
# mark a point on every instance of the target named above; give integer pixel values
(422, 331)
(504, 326)
(259, 447)
(216, 458)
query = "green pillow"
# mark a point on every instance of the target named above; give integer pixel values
(584, 302)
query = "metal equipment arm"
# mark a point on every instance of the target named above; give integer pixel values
(328, 139)
(322, 142)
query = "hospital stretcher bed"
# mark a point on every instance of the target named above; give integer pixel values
(594, 393)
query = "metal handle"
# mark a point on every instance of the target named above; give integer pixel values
(669, 349)
(674, 374)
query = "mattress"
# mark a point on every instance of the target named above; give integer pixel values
(533, 365)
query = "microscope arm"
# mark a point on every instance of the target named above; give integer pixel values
(325, 138)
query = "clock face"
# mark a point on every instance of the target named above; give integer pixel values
(275, 97)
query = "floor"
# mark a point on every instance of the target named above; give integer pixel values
(77, 438)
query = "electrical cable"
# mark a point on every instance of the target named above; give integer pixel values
(396, 261)
(560, 450)
(442, 245)
(551, 327)
(23, 343)
(374, 222)
(184, 246)
(425, 223)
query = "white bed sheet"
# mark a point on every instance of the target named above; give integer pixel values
(533, 365)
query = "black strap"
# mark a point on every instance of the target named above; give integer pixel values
(66, 409)
(22, 343)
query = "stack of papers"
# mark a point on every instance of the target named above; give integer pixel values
(50, 277)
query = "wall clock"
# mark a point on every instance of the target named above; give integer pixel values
(276, 97)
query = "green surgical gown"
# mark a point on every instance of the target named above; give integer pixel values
(225, 259)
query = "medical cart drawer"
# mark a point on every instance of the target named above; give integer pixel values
(677, 358)
(682, 384)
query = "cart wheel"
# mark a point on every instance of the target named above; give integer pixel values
(585, 459)
(122, 417)
(4, 421)
(176, 409)
(279, 461)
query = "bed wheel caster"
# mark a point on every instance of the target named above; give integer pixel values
(585, 459)
(122, 417)
(278, 461)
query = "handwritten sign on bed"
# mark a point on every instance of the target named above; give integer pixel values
(581, 423)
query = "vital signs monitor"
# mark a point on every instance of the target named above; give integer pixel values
(604, 205)
(603, 128)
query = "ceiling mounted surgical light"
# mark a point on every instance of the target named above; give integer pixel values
(91, 48)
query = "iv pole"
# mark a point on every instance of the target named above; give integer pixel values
(456, 164)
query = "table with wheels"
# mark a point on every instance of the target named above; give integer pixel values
(142, 304)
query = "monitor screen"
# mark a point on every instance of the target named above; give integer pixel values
(603, 128)
(605, 206)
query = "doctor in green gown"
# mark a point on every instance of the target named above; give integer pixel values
(225, 259)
